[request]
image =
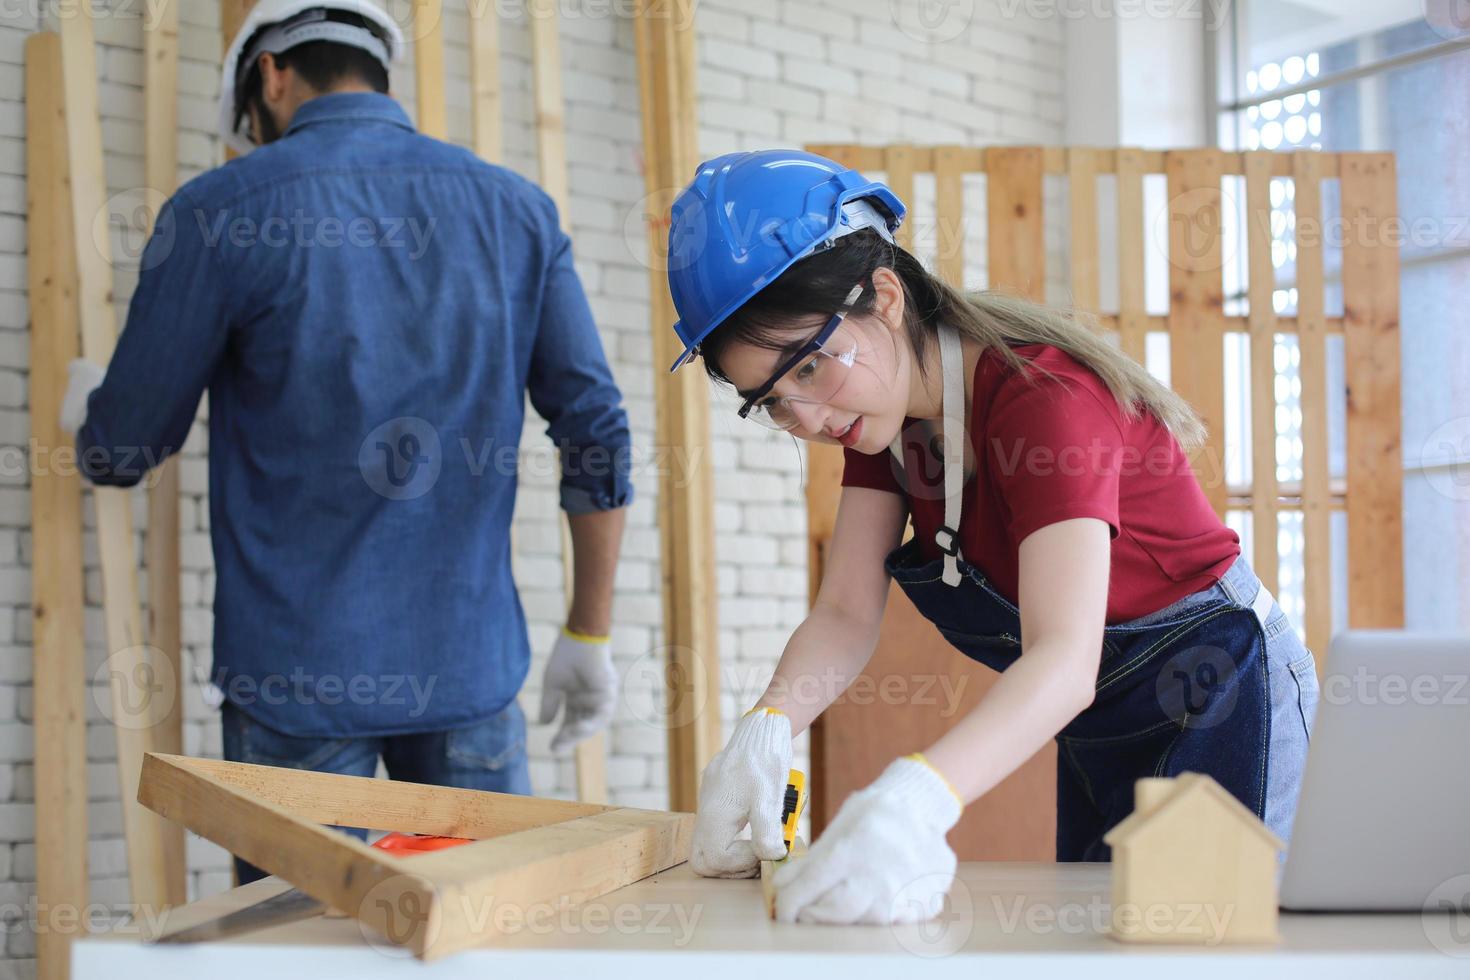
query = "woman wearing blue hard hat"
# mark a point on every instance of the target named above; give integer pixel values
(1060, 536)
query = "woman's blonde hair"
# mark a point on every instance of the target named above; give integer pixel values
(816, 286)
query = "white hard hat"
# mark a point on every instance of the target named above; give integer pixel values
(294, 29)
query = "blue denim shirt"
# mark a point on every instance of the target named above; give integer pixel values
(368, 308)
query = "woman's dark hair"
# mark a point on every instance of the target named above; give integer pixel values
(805, 295)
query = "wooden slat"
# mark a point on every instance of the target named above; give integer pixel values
(1053, 159)
(428, 68)
(140, 687)
(1016, 245)
(951, 218)
(665, 53)
(387, 804)
(566, 861)
(161, 556)
(485, 97)
(59, 666)
(1196, 305)
(1233, 324)
(1132, 310)
(898, 162)
(1370, 276)
(1265, 555)
(1082, 194)
(1312, 340)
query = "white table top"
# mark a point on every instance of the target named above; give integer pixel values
(1040, 918)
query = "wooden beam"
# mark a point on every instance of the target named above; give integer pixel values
(161, 556)
(485, 97)
(141, 690)
(59, 665)
(450, 898)
(1196, 305)
(898, 163)
(1312, 372)
(1017, 247)
(1082, 256)
(1132, 309)
(665, 53)
(1261, 289)
(1370, 278)
(950, 219)
(428, 68)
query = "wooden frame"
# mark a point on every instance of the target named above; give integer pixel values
(529, 852)
(1372, 491)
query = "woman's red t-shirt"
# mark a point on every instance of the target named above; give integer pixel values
(1055, 450)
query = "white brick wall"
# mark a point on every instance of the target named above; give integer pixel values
(771, 72)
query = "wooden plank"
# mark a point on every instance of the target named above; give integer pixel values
(550, 122)
(950, 217)
(564, 862)
(1196, 305)
(59, 666)
(1133, 318)
(161, 555)
(485, 97)
(1312, 340)
(1233, 324)
(1370, 276)
(1261, 284)
(665, 53)
(898, 163)
(1017, 247)
(1053, 159)
(1082, 195)
(385, 804)
(141, 692)
(428, 68)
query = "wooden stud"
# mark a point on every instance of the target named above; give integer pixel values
(1082, 192)
(140, 687)
(161, 554)
(485, 97)
(1052, 160)
(950, 217)
(59, 664)
(665, 53)
(1196, 305)
(1133, 320)
(549, 854)
(1017, 248)
(428, 68)
(1261, 286)
(1370, 277)
(551, 137)
(898, 162)
(1312, 344)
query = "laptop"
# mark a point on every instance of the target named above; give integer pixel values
(1383, 822)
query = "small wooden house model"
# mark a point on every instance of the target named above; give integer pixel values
(1192, 865)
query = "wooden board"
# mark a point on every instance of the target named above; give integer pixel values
(1261, 287)
(1370, 277)
(535, 851)
(1017, 246)
(665, 52)
(1196, 305)
(1312, 344)
(59, 671)
(1082, 256)
(950, 217)
(141, 692)
(898, 161)
(1133, 320)
(485, 97)
(161, 554)
(428, 68)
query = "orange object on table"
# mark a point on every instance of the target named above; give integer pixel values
(397, 843)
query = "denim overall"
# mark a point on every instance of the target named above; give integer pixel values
(1185, 688)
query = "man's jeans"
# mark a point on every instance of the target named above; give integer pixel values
(488, 755)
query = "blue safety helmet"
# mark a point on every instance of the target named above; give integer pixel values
(748, 217)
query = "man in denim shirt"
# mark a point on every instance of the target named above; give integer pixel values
(368, 308)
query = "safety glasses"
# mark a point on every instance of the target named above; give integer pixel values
(818, 369)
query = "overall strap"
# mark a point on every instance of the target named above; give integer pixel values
(952, 358)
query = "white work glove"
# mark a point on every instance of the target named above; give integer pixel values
(83, 377)
(884, 858)
(580, 674)
(744, 783)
